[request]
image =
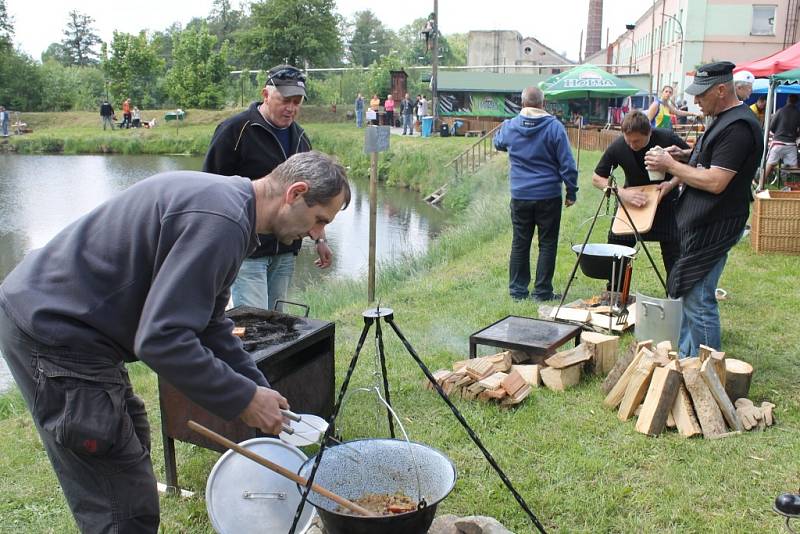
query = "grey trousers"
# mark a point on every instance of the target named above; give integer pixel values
(94, 429)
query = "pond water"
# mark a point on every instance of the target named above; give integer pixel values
(39, 195)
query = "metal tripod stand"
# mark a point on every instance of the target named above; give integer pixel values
(610, 189)
(374, 316)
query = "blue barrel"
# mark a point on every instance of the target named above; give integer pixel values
(427, 126)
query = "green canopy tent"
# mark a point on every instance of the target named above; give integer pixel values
(585, 81)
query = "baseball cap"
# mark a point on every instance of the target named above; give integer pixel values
(744, 76)
(289, 80)
(709, 75)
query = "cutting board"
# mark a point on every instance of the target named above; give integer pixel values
(642, 217)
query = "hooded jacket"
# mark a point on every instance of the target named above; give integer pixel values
(539, 155)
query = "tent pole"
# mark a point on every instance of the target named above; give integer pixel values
(767, 116)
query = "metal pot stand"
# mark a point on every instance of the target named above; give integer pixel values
(374, 316)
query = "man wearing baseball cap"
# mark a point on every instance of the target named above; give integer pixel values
(743, 82)
(714, 200)
(252, 144)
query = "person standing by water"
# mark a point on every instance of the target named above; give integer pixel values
(359, 105)
(388, 107)
(406, 112)
(374, 105)
(107, 114)
(126, 113)
(662, 110)
(4, 120)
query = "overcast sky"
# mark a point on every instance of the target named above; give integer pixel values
(556, 23)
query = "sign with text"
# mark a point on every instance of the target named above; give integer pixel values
(377, 139)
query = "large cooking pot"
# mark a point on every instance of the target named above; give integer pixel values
(658, 319)
(600, 259)
(381, 466)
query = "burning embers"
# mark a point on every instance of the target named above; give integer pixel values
(265, 329)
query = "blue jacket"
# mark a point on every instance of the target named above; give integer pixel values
(539, 155)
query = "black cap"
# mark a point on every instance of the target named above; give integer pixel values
(709, 75)
(289, 80)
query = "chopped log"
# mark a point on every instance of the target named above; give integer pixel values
(464, 381)
(571, 314)
(513, 382)
(670, 420)
(691, 363)
(620, 365)
(493, 381)
(739, 374)
(658, 402)
(637, 387)
(479, 368)
(472, 391)
(529, 373)
(703, 352)
(708, 413)
(568, 358)
(500, 362)
(666, 345)
(518, 397)
(675, 365)
(709, 373)
(604, 350)
(460, 364)
(489, 394)
(719, 365)
(615, 396)
(683, 413)
(661, 357)
(239, 331)
(521, 356)
(560, 379)
(439, 376)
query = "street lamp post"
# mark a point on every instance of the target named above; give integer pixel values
(630, 28)
(680, 44)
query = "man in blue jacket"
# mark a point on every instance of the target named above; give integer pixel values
(146, 276)
(540, 159)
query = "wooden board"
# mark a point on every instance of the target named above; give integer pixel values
(658, 401)
(637, 388)
(561, 379)
(709, 373)
(642, 217)
(708, 413)
(683, 413)
(568, 358)
(571, 314)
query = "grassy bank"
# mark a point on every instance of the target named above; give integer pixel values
(578, 467)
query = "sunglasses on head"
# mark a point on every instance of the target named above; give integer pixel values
(287, 74)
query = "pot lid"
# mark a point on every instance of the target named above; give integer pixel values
(243, 496)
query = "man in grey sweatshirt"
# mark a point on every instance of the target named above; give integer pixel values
(146, 276)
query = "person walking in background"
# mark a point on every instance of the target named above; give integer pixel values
(540, 160)
(406, 112)
(251, 144)
(4, 120)
(359, 105)
(126, 113)
(136, 117)
(107, 114)
(388, 107)
(662, 110)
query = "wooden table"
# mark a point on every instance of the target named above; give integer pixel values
(536, 336)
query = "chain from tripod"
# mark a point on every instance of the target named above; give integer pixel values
(374, 316)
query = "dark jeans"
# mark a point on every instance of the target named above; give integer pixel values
(94, 429)
(527, 216)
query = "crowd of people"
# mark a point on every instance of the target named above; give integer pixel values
(410, 112)
(131, 116)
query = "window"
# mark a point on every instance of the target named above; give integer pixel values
(527, 49)
(555, 71)
(763, 20)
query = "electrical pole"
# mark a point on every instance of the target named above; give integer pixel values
(435, 62)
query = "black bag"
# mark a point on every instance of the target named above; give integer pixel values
(444, 131)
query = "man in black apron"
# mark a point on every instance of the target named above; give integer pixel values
(714, 200)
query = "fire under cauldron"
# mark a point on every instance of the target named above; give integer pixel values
(381, 466)
(603, 260)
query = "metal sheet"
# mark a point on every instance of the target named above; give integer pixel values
(244, 497)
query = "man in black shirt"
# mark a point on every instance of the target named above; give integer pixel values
(786, 129)
(628, 152)
(714, 201)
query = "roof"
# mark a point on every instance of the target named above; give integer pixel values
(549, 50)
(487, 82)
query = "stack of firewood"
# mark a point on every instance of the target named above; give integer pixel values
(497, 378)
(695, 395)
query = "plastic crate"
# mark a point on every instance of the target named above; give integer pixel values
(776, 222)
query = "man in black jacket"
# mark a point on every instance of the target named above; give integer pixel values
(251, 144)
(714, 200)
(786, 128)
(107, 114)
(146, 276)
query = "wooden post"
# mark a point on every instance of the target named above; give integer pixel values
(738, 375)
(373, 213)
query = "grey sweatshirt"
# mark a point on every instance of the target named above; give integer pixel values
(147, 276)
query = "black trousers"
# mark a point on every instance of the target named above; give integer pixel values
(94, 429)
(543, 216)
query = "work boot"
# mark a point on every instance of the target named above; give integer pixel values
(788, 504)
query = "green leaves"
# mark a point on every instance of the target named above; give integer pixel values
(199, 74)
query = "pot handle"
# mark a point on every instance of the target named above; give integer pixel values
(646, 303)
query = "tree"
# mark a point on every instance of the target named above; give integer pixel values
(199, 74)
(80, 39)
(21, 82)
(298, 32)
(132, 68)
(369, 39)
(55, 52)
(6, 26)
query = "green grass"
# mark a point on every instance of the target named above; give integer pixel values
(578, 467)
